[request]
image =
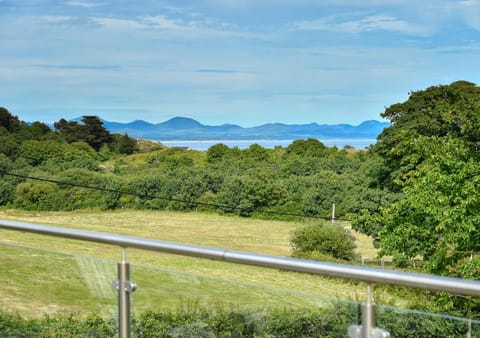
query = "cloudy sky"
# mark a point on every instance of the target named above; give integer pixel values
(246, 62)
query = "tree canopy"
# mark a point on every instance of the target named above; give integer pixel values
(431, 157)
(451, 111)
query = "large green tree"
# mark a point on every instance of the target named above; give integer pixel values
(13, 132)
(431, 156)
(439, 111)
(91, 131)
(95, 133)
(8, 120)
(439, 217)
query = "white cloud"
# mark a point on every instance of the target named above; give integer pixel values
(150, 24)
(232, 4)
(162, 22)
(53, 19)
(470, 48)
(175, 28)
(119, 24)
(365, 24)
(83, 4)
(471, 11)
(248, 4)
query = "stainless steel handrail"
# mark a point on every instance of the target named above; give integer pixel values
(416, 280)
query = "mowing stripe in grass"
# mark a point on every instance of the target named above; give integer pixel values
(98, 276)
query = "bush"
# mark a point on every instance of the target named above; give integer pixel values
(312, 240)
(328, 321)
(417, 324)
(13, 325)
(36, 196)
(7, 183)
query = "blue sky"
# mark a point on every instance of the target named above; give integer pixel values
(246, 62)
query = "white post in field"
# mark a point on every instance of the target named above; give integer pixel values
(333, 213)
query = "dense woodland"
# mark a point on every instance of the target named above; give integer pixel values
(416, 191)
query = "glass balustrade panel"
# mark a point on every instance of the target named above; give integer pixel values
(48, 293)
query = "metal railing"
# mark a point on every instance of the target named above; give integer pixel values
(371, 275)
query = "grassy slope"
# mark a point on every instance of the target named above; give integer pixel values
(45, 281)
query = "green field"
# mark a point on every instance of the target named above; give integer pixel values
(42, 274)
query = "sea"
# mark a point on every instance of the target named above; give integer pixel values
(270, 144)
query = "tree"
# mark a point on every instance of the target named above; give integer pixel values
(309, 147)
(39, 130)
(8, 143)
(10, 122)
(217, 152)
(7, 183)
(430, 155)
(91, 131)
(446, 110)
(438, 219)
(325, 188)
(70, 130)
(252, 156)
(95, 133)
(77, 155)
(124, 144)
(13, 132)
(37, 152)
(250, 192)
(36, 195)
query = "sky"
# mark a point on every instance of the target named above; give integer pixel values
(246, 62)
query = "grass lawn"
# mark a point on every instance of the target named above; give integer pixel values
(74, 276)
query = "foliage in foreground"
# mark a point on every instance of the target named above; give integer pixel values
(327, 322)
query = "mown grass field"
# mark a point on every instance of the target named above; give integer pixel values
(52, 275)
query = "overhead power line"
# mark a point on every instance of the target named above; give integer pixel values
(228, 208)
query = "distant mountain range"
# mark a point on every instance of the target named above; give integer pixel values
(182, 128)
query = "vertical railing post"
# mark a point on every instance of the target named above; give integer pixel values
(124, 287)
(368, 315)
(367, 329)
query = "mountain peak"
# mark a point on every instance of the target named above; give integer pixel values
(373, 123)
(179, 122)
(140, 123)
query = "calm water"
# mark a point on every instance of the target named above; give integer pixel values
(242, 144)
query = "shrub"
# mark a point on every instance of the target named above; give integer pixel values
(310, 240)
(36, 196)
(328, 321)
(37, 152)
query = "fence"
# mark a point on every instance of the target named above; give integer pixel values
(125, 287)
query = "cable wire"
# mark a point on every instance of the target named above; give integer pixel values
(227, 208)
